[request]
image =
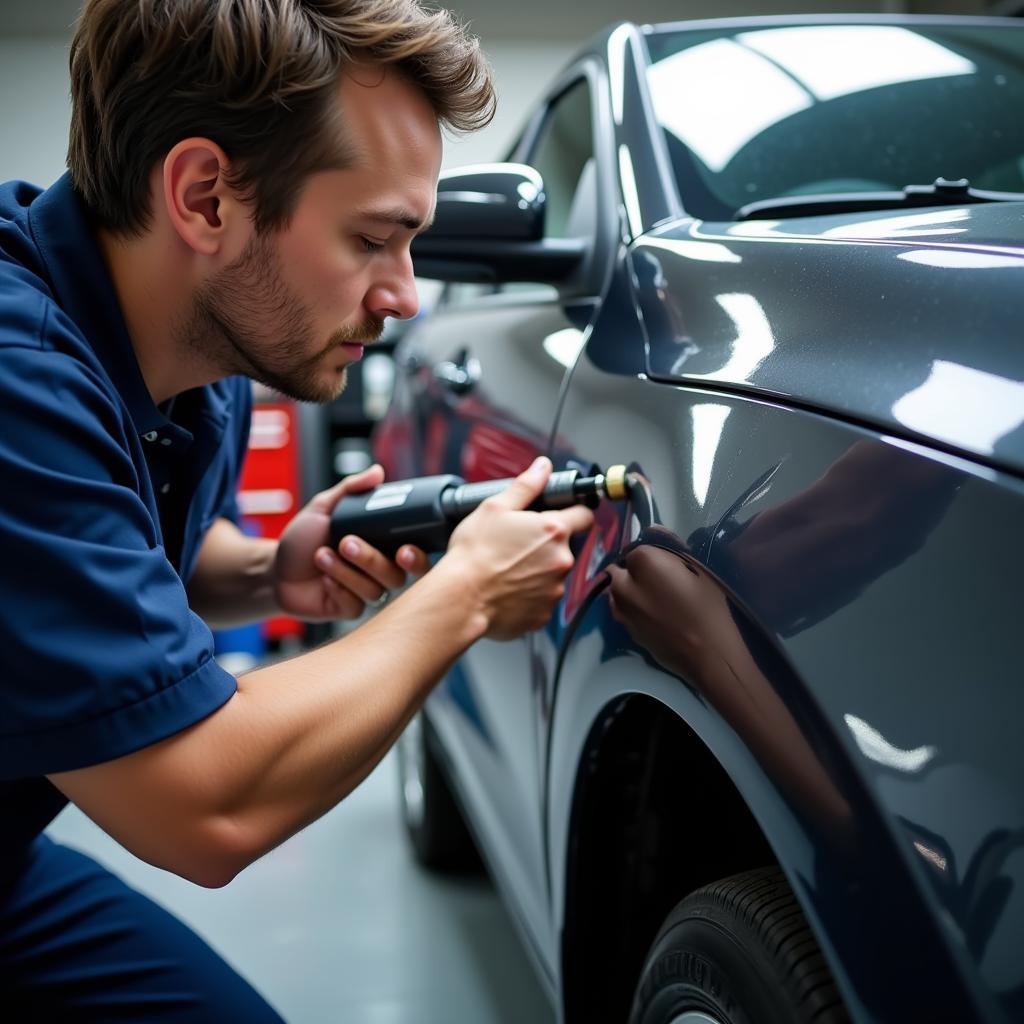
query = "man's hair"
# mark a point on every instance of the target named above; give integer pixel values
(259, 78)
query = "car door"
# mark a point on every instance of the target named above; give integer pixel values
(486, 376)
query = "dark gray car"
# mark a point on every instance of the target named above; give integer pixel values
(764, 763)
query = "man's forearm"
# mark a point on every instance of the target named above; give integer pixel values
(354, 702)
(233, 581)
(295, 739)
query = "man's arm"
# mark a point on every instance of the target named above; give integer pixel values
(233, 581)
(299, 736)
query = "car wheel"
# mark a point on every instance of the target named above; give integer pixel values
(440, 838)
(738, 951)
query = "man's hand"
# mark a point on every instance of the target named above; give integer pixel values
(517, 560)
(316, 583)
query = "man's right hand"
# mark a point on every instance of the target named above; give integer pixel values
(517, 561)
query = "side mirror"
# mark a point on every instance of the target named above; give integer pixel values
(489, 226)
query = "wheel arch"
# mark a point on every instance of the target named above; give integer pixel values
(631, 857)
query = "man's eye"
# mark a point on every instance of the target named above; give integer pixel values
(369, 245)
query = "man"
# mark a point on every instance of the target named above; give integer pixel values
(246, 177)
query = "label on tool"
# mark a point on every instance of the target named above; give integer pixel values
(388, 496)
(480, 491)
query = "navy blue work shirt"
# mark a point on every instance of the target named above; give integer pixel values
(104, 502)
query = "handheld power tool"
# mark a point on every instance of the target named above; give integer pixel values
(426, 510)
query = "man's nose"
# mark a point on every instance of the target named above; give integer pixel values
(394, 294)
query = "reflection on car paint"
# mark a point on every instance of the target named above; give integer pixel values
(801, 561)
(682, 617)
(961, 403)
(458, 689)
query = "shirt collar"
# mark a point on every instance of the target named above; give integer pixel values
(83, 289)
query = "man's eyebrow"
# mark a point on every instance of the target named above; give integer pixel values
(396, 215)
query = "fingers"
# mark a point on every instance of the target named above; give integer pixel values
(364, 481)
(575, 519)
(525, 487)
(372, 562)
(413, 560)
(366, 571)
(340, 603)
(529, 484)
(363, 586)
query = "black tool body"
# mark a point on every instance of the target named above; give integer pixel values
(424, 511)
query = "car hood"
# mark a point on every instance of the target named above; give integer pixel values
(911, 322)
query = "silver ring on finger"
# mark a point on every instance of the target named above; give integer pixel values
(380, 602)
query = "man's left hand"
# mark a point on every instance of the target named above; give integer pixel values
(316, 583)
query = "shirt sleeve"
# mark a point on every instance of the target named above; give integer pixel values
(102, 655)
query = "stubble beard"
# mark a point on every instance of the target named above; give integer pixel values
(246, 320)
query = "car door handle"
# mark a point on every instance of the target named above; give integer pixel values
(459, 377)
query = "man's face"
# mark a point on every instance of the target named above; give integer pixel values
(294, 309)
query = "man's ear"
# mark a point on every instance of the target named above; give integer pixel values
(201, 205)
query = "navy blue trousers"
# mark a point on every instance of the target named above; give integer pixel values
(77, 944)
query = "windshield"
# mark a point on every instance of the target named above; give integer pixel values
(757, 113)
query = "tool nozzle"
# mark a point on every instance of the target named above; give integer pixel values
(615, 485)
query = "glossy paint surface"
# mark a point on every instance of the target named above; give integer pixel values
(908, 322)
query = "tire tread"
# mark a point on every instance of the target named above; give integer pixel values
(764, 903)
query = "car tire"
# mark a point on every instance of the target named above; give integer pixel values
(738, 951)
(440, 839)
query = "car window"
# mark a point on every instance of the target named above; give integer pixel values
(564, 155)
(762, 113)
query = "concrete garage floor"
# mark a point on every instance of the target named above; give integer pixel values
(339, 926)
